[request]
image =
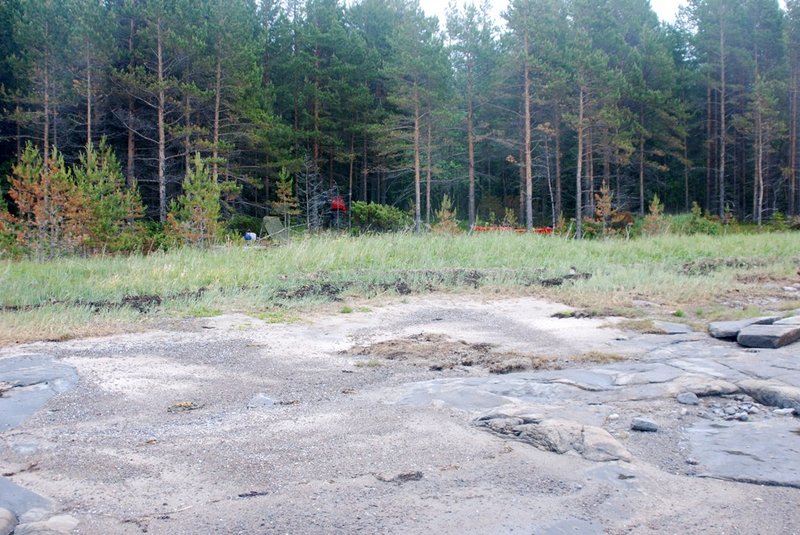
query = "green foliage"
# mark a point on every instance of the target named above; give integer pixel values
(373, 217)
(195, 215)
(286, 203)
(698, 224)
(241, 223)
(446, 222)
(114, 209)
(509, 218)
(778, 222)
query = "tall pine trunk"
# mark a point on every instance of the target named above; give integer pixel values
(217, 100)
(429, 171)
(130, 169)
(471, 146)
(793, 120)
(528, 163)
(557, 124)
(162, 143)
(641, 162)
(579, 171)
(722, 120)
(46, 62)
(88, 103)
(417, 168)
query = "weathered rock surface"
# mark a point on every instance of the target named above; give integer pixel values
(738, 451)
(57, 525)
(8, 521)
(559, 436)
(688, 398)
(672, 328)
(644, 424)
(794, 320)
(768, 336)
(730, 329)
(772, 394)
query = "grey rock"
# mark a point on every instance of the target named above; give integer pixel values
(672, 328)
(760, 452)
(742, 416)
(730, 411)
(8, 521)
(644, 424)
(504, 425)
(688, 398)
(260, 400)
(730, 329)
(794, 320)
(772, 394)
(768, 336)
(783, 412)
(753, 410)
(562, 436)
(57, 525)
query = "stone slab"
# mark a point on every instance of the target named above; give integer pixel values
(763, 453)
(672, 328)
(794, 320)
(772, 394)
(768, 336)
(730, 329)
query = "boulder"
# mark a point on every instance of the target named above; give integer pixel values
(768, 336)
(794, 320)
(688, 398)
(644, 424)
(730, 329)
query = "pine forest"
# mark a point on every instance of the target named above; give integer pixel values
(189, 119)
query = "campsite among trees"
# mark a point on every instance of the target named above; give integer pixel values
(133, 121)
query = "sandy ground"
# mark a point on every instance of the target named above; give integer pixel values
(233, 425)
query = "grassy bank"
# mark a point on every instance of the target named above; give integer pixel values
(77, 296)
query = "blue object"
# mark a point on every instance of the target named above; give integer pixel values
(250, 236)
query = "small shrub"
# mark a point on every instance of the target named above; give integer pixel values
(700, 224)
(510, 218)
(778, 222)
(446, 218)
(654, 222)
(373, 217)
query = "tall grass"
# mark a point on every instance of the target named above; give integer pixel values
(250, 276)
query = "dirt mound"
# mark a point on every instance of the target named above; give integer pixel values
(440, 352)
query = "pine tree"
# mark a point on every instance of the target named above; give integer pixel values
(195, 215)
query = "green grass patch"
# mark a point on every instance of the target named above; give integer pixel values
(278, 316)
(644, 326)
(372, 363)
(330, 268)
(204, 312)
